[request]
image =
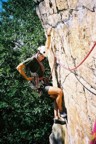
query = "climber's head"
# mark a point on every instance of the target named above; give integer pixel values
(41, 52)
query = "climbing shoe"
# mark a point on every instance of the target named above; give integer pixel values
(60, 121)
(63, 115)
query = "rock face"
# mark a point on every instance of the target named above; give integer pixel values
(73, 46)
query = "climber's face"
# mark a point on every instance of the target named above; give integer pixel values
(40, 56)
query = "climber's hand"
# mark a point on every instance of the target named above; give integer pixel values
(30, 78)
(49, 31)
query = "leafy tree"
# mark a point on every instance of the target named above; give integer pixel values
(24, 118)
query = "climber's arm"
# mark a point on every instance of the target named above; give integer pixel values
(48, 40)
(21, 68)
(47, 44)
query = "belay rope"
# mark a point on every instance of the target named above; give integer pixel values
(88, 87)
(74, 68)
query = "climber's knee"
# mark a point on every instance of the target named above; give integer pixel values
(55, 91)
(60, 92)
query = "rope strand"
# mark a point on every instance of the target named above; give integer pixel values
(71, 69)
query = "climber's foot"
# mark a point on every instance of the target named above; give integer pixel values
(63, 115)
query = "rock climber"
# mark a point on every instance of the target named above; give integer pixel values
(36, 69)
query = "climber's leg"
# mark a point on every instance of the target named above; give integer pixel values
(57, 119)
(55, 110)
(57, 94)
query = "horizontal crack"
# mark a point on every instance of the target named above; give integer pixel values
(78, 8)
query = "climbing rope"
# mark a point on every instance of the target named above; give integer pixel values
(88, 87)
(71, 69)
(93, 134)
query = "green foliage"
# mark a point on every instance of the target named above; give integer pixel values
(24, 118)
